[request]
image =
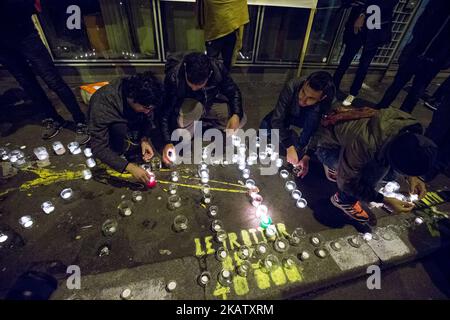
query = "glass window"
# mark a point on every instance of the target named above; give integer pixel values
(326, 23)
(282, 34)
(110, 29)
(180, 30)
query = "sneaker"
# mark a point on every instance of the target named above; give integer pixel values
(51, 128)
(331, 174)
(353, 211)
(348, 101)
(82, 134)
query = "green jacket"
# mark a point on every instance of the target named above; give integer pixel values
(363, 145)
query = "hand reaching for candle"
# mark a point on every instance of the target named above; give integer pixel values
(168, 153)
(292, 156)
(138, 173)
(147, 151)
(303, 166)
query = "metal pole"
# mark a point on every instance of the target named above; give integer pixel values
(306, 42)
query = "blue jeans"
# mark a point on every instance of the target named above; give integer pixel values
(371, 175)
(308, 120)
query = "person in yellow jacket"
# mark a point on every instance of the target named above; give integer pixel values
(223, 22)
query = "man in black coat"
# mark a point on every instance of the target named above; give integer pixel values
(425, 55)
(357, 34)
(122, 114)
(198, 87)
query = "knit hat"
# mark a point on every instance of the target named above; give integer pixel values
(412, 154)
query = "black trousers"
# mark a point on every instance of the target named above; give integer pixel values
(31, 49)
(423, 73)
(224, 46)
(352, 47)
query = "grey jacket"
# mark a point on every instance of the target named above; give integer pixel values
(109, 106)
(363, 145)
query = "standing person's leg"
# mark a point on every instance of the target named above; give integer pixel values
(443, 89)
(404, 73)
(229, 43)
(217, 116)
(421, 81)
(350, 51)
(214, 48)
(364, 63)
(19, 68)
(34, 50)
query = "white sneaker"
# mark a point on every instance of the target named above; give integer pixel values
(348, 101)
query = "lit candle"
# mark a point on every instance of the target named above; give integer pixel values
(284, 174)
(59, 148)
(66, 193)
(3, 237)
(152, 180)
(266, 220)
(262, 155)
(290, 185)
(174, 202)
(236, 140)
(392, 186)
(271, 232)
(175, 176)
(41, 153)
(173, 188)
(279, 162)
(257, 200)
(246, 173)
(301, 203)
(90, 162)
(26, 222)
(296, 194)
(4, 154)
(74, 147)
(213, 211)
(87, 174)
(206, 189)
(88, 152)
(250, 183)
(242, 166)
(137, 196)
(48, 207)
(207, 198)
(262, 210)
(253, 156)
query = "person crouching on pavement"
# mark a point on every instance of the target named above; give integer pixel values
(357, 154)
(122, 115)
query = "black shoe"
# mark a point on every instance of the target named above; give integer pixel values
(82, 134)
(51, 128)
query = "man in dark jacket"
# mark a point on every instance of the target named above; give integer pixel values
(20, 47)
(121, 114)
(427, 53)
(301, 103)
(357, 35)
(361, 152)
(197, 77)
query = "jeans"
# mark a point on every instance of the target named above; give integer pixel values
(308, 120)
(351, 49)
(32, 50)
(225, 46)
(423, 73)
(370, 176)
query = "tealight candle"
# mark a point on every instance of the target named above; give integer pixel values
(136, 196)
(41, 153)
(125, 208)
(66, 193)
(213, 211)
(301, 203)
(392, 186)
(48, 207)
(250, 183)
(175, 176)
(284, 174)
(90, 162)
(279, 162)
(26, 222)
(87, 174)
(58, 148)
(3, 237)
(290, 185)
(296, 194)
(87, 152)
(173, 188)
(74, 147)
(257, 200)
(174, 202)
(246, 173)
(266, 220)
(206, 189)
(207, 198)
(261, 210)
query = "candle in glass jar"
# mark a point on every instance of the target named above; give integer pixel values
(59, 148)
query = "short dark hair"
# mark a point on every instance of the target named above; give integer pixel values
(321, 81)
(412, 154)
(144, 88)
(198, 67)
